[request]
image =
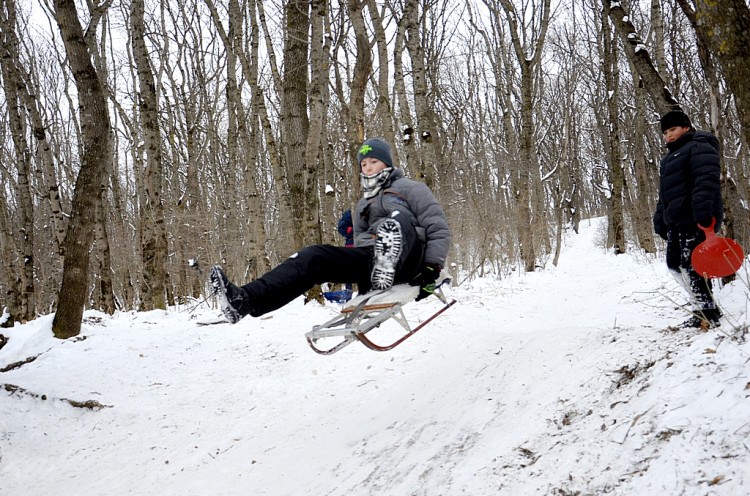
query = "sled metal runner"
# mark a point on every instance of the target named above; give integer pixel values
(367, 312)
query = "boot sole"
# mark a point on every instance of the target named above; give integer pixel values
(388, 243)
(219, 283)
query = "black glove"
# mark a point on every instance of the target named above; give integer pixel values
(660, 229)
(705, 222)
(425, 279)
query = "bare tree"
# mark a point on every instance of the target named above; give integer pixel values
(426, 134)
(403, 105)
(563, 140)
(316, 149)
(639, 56)
(104, 291)
(294, 119)
(642, 190)
(492, 141)
(528, 56)
(12, 86)
(154, 240)
(610, 69)
(95, 129)
(383, 107)
(275, 151)
(355, 106)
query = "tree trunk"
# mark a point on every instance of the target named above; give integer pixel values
(318, 99)
(294, 120)
(657, 26)
(616, 234)
(276, 151)
(383, 110)
(427, 129)
(399, 89)
(529, 165)
(641, 217)
(154, 244)
(256, 256)
(105, 293)
(6, 258)
(95, 136)
(724, 27)
(355, 128)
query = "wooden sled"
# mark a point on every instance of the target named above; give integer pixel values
(368, 311)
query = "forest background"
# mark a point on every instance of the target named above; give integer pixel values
(142, 141)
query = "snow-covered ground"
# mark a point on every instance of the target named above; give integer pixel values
(566, 381)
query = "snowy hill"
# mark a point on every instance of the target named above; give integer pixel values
(567, 381)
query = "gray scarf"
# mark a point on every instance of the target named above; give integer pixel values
(371, 185)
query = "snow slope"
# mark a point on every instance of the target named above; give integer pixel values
(567, 381)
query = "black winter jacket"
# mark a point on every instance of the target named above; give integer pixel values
(689, 184)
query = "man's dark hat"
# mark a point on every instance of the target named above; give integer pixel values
(675, 118)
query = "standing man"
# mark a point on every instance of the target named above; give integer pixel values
(689, 194)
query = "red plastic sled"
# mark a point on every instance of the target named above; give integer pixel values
(716, 256)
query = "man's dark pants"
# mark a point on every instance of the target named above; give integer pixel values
(680, 245)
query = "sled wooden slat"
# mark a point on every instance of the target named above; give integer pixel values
(375, 306)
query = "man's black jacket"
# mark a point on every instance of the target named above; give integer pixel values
(689, 186)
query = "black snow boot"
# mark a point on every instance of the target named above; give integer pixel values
(703, 319)
(232, 298)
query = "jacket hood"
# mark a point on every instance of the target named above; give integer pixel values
(707, 137)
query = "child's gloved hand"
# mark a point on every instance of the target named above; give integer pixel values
(426, 278)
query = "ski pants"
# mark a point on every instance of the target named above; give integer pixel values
(680, 246)
(317, 264)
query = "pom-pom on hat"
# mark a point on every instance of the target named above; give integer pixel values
(675, 118)
(375, 148)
